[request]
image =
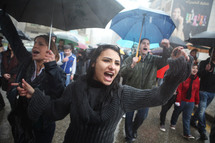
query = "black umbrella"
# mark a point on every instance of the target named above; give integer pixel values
(206, 38)
(63, 14)
(175, 41)
(21, 34)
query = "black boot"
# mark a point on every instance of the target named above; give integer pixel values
(203, 136)
(193, 123)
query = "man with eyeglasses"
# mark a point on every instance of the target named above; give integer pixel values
(141, 73)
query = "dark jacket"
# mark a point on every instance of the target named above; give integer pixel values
(90, 124)
(52, 78)
(10, 66)
(144, 73)
(207, 79)
(51, 81)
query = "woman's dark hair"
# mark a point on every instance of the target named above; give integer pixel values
(96, 53)
(196, 64)
(52, 46)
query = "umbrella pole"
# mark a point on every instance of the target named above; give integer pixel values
(50, 38)
(50, 32)
(139, 41)
(138, 47)
(140, 35)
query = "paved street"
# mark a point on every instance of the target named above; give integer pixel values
(148, 133)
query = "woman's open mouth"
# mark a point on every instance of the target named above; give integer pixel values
(35, 52)
(108, 76)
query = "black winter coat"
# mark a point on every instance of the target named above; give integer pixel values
(207, 79)
(93, 120)
(51, 81)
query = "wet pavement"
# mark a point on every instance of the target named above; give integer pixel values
(149, 132)
(5, 130)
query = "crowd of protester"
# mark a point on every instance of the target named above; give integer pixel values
(45, 79)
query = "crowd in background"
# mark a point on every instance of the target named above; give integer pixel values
(197, 89)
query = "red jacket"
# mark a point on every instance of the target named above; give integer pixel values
(183, 88)
(161, 72)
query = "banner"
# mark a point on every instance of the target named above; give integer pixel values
(190, 17)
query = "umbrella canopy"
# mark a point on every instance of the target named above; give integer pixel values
(157, 51)
(67, 37)
(21, 34)
(131, 44)
(155, 25)
(126, 43)
(63, 14)
(175, 41)
(206, 38)
(82, 46)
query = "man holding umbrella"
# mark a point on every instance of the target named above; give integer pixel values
(207, 92)
(142, 75)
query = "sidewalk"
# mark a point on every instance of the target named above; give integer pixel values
(6, 135)
(210, 111)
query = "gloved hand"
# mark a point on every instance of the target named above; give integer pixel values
(177, 104)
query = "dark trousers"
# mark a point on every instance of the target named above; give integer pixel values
(45, 135)
(165, 108)
(131, 126)
(205, 100)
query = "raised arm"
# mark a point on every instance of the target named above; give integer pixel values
(10, 32)
(127, 68)
(167, 49)
(179, 71)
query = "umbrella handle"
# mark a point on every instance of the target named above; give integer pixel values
(140, 39)
(139, 47)
(139, 58)
(137, 53)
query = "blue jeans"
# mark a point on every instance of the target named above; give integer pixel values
(132, 126)
(187, 108)
(67, 79)
(205, 100)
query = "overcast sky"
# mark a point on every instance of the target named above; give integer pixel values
(134, 3)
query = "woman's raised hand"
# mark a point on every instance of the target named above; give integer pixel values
(178, 52)
(26, 89)
(49, 57)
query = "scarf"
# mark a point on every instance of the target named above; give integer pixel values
(189, 91)
(90, 109)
